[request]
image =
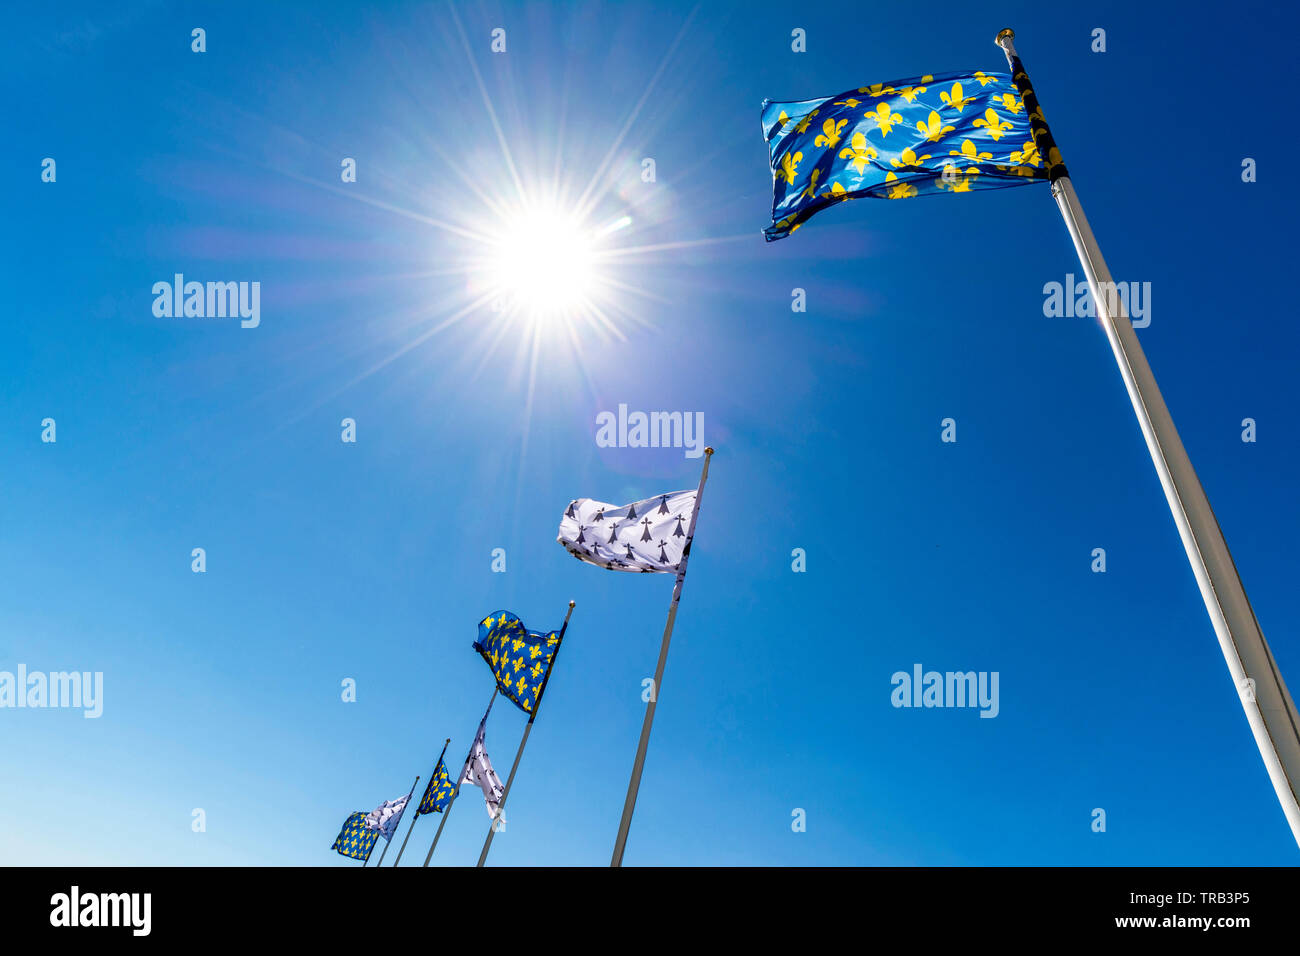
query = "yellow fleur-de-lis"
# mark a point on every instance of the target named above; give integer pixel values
(1027, 155)
(537, 671)
(802, 125)
(830, 134)
(910, 93)
(782, 120)
(984, 78)
(812, 185)
(1011, 103)
(955, 100)
(790, 165)
(837, 192)
(877, 89)
(859, 152)
(996, 125)
(909, 160)
(885, 118)
(968, 151)
(900, 191)
(851, 103)
(933, 130)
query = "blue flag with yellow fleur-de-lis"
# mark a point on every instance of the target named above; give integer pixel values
(951, 132)
(520, 659)
(438, 793)
(356, 839)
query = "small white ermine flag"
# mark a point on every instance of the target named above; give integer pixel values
(646, 536)
(478, 771)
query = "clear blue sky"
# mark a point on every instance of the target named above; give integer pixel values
(372, 560)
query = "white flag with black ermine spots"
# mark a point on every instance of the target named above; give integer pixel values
(646, 536)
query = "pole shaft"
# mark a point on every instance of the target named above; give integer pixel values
(415, 816)
(634, 785)
(492, 828)
(1270, 711)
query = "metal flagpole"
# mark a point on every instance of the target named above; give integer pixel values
(537, 705)
(456, 793)
(416, 815)
(1269, 708)
(635, 783)
(388, 842)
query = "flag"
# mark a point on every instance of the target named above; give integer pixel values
(385, 817)
(954, 132)
(356, 839)
(646, 536)
(438, 793)
(520, 659)
(478, 771)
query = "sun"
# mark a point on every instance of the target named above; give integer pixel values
(542, 263)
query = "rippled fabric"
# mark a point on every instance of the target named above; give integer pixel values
(953, 132)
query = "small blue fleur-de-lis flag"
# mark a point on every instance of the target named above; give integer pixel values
(356, 839)
(520, 659)
(438, 793)
(951, 132)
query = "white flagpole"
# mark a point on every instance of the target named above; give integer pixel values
(456, 793)
(635, 783)
(415, 816)
(1269, 708)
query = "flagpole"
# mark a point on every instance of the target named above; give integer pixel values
(528, 727)
(634, 784)
(416, 816)
(1270, 711)
(456, 793)
(388, 842)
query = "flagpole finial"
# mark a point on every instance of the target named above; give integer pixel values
(708, 451)
(573, 603)
(1004, 38)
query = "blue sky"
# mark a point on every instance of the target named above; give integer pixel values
(372, 560)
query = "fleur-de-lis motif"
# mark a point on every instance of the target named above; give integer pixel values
(933, 129)
(995, 124)
(968, 151)
(807, 194)
(955, 100)
(984, 78)
(909, 159)
(877, 89)
(901, 190)
(859, 152)
(782, 120)
(910, 93)
(1011, 103)
(790, 165)
(851, 103)
(830, 134)
(885, 118)
(837, 192)
(803, 124)
(1027, 155)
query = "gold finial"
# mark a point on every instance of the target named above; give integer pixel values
(572, 603)
(1008, 34)
(708, 451)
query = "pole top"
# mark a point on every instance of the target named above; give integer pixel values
(1004, 38)
(448, 740)
(572, 603)
(708, 451)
